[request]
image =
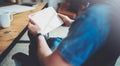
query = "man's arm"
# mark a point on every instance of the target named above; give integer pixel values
(45, 55)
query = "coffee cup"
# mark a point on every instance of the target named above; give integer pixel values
(5, 19)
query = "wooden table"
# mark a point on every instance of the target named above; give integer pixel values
(11, 35)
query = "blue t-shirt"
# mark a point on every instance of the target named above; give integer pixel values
(86, 35)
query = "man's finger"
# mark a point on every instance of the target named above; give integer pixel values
(31, 21)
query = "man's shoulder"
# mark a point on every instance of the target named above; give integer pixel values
(99, 8)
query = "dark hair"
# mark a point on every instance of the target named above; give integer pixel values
(77, 4)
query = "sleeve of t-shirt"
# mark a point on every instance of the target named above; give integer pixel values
(86, 35)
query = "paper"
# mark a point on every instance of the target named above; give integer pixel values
(47, 19)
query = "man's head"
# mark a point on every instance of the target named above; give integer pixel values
(77, 4)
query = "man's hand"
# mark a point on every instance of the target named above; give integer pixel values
(33, 28)
(67, 21)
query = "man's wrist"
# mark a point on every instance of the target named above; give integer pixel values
(39, 34)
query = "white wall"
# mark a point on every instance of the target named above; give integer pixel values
(26, 0)
(53, 3)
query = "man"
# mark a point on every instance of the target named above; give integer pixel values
(93, 39)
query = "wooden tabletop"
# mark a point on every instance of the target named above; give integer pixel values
(20, 21)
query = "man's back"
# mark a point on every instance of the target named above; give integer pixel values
(110, 51)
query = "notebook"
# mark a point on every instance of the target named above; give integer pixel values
(47, 19)
(16, 8)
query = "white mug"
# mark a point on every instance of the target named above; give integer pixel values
(5, 19)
